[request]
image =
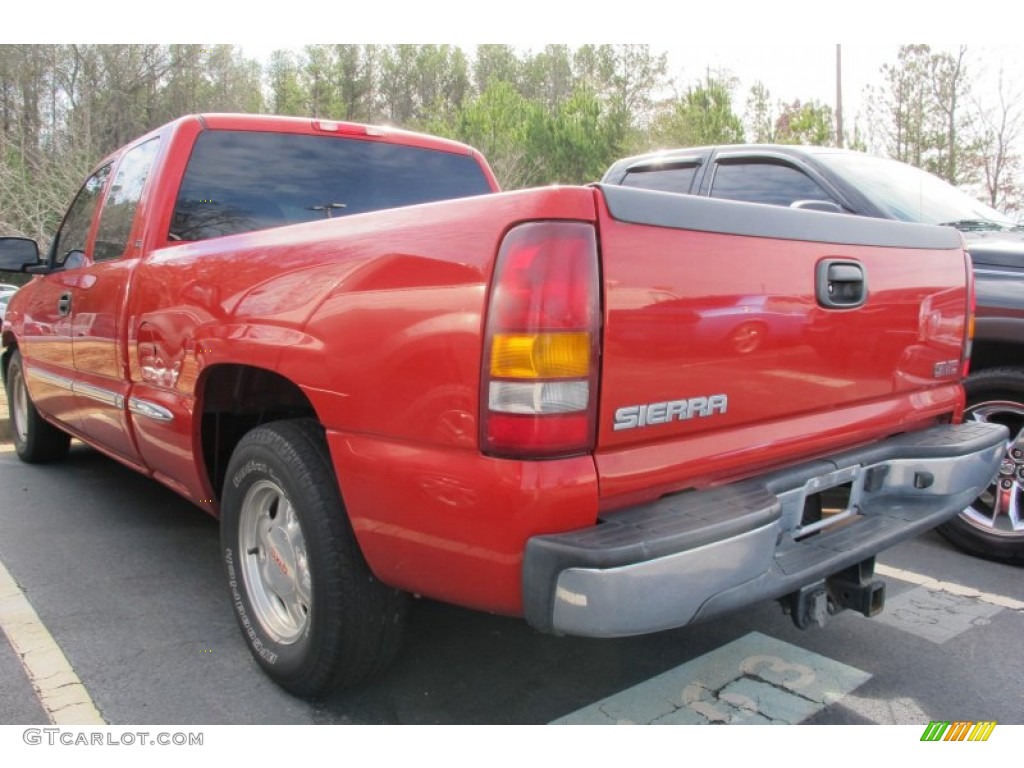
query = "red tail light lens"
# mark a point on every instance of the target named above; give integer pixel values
(541, 346)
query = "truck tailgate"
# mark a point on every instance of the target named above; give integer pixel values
(761, 335)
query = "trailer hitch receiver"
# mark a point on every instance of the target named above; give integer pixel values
(854, 588)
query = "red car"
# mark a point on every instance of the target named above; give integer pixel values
(387, 378)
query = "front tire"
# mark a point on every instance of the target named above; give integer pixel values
(35, 439)
(993, 526)
(312, 613)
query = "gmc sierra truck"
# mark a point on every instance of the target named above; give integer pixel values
(829, 179)
(385, 377)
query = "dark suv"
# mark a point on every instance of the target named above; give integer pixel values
(841, 181)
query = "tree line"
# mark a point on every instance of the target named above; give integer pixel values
(558, 115)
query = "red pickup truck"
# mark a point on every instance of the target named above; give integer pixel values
(385, 377)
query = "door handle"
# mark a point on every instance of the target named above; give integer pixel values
(64, 304)
(841, 284)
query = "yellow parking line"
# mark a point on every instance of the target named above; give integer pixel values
(59, 690)
(949, 586)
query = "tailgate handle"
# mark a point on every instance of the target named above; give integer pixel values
(841, 284)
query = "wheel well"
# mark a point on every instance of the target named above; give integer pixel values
(235, 399)
(993, 354)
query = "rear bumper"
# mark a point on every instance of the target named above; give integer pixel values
(699, 554)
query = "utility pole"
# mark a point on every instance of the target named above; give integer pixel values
(839, 95)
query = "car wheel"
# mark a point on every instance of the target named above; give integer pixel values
(35, 439)
(993, 526)
(314, 616)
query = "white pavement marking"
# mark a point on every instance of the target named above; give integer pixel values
(886, 711)
(948, 586)
(60, 691)
(936, 615)
(753, 680)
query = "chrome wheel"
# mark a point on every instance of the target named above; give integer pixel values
(998, 510)
(276, 564)
(35, 439)
(19, 404)
(312, 613)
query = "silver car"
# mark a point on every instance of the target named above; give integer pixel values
(5, 296)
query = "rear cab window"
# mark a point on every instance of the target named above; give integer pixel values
(241, 181)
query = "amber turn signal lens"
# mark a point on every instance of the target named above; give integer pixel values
(540, 355)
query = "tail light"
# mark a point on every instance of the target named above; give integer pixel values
(351, 129)
(972, 308)
(538, 394)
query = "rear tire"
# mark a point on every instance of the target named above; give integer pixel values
(993, 526)
(35, 439)
(314, 616)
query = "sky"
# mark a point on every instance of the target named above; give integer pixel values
(805, 72)
(808, 71)
(781, 26)
(787, 44)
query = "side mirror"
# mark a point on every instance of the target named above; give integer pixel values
(19, 254)
(825, 206)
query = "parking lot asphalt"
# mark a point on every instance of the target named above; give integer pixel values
(126, 577)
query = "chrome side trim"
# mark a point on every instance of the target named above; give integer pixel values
(149, 410)
(50, 378)
(99, 394)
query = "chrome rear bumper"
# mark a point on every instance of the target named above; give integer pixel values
(702, 553)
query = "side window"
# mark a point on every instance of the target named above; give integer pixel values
(74, 231)
(119, 210)
(677, 179)
(769, 183)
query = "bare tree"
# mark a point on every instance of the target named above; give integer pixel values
(760, 116)
(922, 111)
(1001, 128)
(950, 88)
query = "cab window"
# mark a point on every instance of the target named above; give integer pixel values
(665, 179)
(764, 182)
(123, 199)
(74, 231)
